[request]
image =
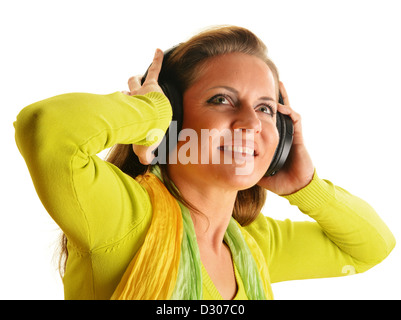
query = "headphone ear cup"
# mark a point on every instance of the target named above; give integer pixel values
(273, 165)
(170, 88)
(285, 130)
(175, 98)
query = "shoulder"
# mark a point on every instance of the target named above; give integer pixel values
(261, 226)
(260, 230)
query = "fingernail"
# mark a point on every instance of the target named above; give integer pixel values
(157, 51)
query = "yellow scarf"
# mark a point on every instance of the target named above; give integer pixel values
(167, 266)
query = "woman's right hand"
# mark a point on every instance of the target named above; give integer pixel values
(150, 84)
(145, 153)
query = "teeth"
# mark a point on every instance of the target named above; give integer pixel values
(239, 149)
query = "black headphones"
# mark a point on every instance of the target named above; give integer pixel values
(284, 123)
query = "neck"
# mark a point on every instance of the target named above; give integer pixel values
(214, 206)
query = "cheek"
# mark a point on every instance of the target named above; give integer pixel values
(270, 139)
(195, 117)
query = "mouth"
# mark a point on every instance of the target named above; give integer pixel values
(244, 151)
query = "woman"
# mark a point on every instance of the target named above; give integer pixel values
(190, 229)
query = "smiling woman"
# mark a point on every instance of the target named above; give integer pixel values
(141, 230)
(229, 95)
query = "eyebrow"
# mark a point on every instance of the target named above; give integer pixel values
(235, 91)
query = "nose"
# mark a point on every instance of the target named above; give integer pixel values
(247, 119)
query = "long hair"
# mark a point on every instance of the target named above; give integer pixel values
(187, 61)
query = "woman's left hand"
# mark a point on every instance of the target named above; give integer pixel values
(298, 170)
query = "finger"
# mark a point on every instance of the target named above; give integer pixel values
(296, 120)
(286, 109)
(154, 69)
(134, 83)
(146, 158)
(284, 94)
(144, 153)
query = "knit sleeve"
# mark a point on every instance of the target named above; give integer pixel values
(348, 236)
(91, 200)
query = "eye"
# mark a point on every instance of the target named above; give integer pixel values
(265, 108)
(219, 99)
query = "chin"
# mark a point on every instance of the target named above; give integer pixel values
(237, 177)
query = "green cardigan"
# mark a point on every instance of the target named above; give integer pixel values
(106, 214)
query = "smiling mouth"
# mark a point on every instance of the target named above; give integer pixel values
(238, 149)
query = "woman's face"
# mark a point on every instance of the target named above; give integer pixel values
(232, 109)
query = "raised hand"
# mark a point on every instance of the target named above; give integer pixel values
(298, 170)
(145, 153)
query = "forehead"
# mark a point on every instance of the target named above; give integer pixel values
(239, 70)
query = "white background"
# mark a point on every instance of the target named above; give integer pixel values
(339, 60)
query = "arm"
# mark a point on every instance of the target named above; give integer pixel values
(348, 236)
(91, 200)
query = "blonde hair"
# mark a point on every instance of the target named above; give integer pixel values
(187, 61)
